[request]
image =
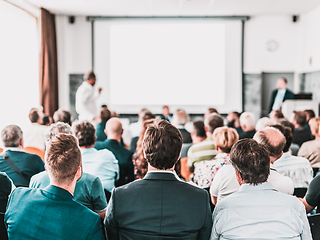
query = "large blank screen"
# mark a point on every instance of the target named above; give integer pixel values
(183, 64)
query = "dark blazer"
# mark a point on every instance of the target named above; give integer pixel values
(124, 157)
(186, 136)
(158, 207)
(287, 95)
(50, 214)
(101, 135)
(29, 164)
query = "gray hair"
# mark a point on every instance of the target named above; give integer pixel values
(11, 136)
(54, 129)
(248, 119)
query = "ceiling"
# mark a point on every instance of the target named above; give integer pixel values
(177, 7)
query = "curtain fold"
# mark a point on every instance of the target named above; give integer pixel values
(48, 64)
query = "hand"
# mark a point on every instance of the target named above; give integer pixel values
(99, 90)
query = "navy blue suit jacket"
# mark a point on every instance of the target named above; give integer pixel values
(287, 95)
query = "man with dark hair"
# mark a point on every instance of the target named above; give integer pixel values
(15, 162)
(86, 97)
(105, 115)
(297, 168)
(257, 210)
(51, 213)
(293, 147)
(160, 206)
(114, 132)
(274, 142)
(301, 134)
(88, 191)
(205, 150)
(280, 94)
(102, 163)
(34, 133)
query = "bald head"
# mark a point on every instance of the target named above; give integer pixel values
(114, 129)
(273, 140)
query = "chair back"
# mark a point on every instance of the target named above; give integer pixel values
(1, 150)
(3, 230)
(36, 151)
(185, 149)
(314, 222)
(185, 170)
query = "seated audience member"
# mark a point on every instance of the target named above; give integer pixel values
(294, 148)
(312, 198)
(34, 134)
(88, 191)
(257, 210)
(274, 141)
(147, 115)
(247, 123)
(62, 116)
(105, 115)
(5, 190)
(124, 156)
(297, 168)
(47, 120)
(14, 161)
(276, 115)
(165, 115)
(139, 161)
(159, 206)
(205, 171)
(209, 111)
(262, 123)
(233, 119)
(309, 115)
(102, 163)
(311, 149)
(51, 213)
(179, 119)
(135, 128)
(301, 134)
(206, 149)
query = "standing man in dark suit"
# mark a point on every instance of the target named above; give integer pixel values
(114, 132)
(51, 213)
(280, 94)
(160, 206)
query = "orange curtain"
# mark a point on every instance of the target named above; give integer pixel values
(48, 64)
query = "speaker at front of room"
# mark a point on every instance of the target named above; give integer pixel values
(72, 19)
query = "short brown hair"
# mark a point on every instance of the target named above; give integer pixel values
(286, 131)
(198, 129)
(85, 132)
(62, 116)
(63, 157)
(33, 115)
(105, 114)
(251, 160)
(213, 121)
(89, 75)
(162, 144)
(278, 114)
(300, 117)
(272, 139)
(225, 137)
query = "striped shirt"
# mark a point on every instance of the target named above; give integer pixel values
(297, 168)
(201, 151)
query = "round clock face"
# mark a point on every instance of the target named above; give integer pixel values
(272, 45)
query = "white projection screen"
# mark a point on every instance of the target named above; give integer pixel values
(189, 64)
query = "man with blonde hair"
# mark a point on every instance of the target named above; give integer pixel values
(51, 213)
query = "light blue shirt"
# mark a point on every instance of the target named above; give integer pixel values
(260, 212)
(297, 168)
(278, 99)
(101, 163)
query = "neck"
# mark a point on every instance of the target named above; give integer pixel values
(198, 139)
(66, 186)
(84, 147)
(150, 168)
(114, 137)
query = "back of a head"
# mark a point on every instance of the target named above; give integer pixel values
(62, 116)
(225, 138)
(284, 122)
(247, 119)
(114, 127)
(148, 115)
(11, 136)
(309, 114)
(300, 117)
(199, 129)
(180, 118)
(162, 144)
(286, 131)
(213, 121)
(145, 125)
(34, 115)
(272, 139)
(105, 114)
(314, 126)
(56, 128)
(85, 133)
(251, 160)
(262, 123)
(63, 157)
(89, 75)
(212, 110)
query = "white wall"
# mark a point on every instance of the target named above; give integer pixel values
(74, 52)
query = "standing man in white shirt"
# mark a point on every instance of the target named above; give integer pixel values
(86, 97)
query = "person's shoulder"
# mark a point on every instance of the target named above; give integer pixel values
(20, 192)
(106, 153)
(32, 157)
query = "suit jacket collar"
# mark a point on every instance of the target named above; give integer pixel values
(167, 176)
(56, 192)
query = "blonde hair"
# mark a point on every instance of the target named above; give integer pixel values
(314, 126)
(225, 137)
